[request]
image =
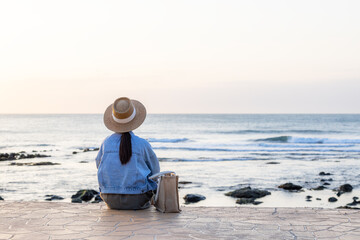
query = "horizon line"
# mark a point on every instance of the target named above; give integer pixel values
(172, 113)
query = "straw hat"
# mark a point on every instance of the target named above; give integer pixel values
(124, 115)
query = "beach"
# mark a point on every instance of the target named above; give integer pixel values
(212, 154)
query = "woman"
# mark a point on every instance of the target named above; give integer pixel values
(125, 161)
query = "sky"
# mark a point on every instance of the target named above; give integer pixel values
(187, 56)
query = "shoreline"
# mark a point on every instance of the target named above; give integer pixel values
(277, 199)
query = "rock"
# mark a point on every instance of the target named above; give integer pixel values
(43, 163)
(19, 155)
(328, 180)
(248, 201)
(85, 194)
(185, 182)
(83, 162)
(347, 207)
(193, 198)
(326, 184)
(1, 199)
(90, 149)
(354, 203)
(346, 188)
(86, 150)
(53, 197)
(76, 200)
(332, 199)
(324, 174)
(272, 163)
(318, 188)
(97, 199)
(290, 186)
(247, 192)
(34, 164)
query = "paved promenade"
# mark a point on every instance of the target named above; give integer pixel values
(51, 220)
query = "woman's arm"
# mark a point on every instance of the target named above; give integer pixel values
(99, 156)
(151, 160)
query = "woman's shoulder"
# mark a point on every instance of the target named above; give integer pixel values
(139, 141)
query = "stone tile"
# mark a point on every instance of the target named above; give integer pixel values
(349, 237)
(5, 236)
(106, 238)
(59, 221)
(34, 235)
(70, 236)
(341, 228)
(327, 234)
(38, 220)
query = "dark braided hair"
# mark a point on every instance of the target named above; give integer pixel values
(125, 150)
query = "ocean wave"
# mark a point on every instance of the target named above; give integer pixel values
(212, 160)
(257, 150)
(310, 145)
(272, 131)
(28, 145)
(168, 140)
(197, 149)
(290, 139)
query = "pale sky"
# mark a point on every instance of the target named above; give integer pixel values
(180, 56)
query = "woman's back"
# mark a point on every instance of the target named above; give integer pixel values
(129, 178)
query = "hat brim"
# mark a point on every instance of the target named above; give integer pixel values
(125, 127)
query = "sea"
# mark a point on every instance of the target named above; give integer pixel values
(216, 153)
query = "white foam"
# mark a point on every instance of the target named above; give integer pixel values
(323, 140)
(168, 140)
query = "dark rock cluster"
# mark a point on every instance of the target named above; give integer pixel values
(343, 189)
(86, 195)
(290, 187)
(319, 188)
(193, 198)
(20, 155)
(355, 202)
(51, 197)
(34, 164)
(248, 195)
(272, 163)
(86, 150)
(248, 201)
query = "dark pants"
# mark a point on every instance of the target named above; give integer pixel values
(127, 201)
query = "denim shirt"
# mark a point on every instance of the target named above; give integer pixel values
(132, 177)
